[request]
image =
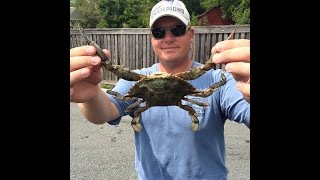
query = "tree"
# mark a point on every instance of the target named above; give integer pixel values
(195, 9)
(130, 13)
(90, 10)
(72, 3)
(237, 10)
(112, 12)
(241, 14)
(136, 13)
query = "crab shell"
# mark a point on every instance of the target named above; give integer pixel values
(161, 89)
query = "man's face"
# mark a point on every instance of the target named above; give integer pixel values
(170, 47)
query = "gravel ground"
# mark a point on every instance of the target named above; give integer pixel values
(99, 152)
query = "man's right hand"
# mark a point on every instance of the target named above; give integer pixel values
(85, 73)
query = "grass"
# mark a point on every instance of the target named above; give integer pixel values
(106, 85)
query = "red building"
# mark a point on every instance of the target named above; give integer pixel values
(213, 16)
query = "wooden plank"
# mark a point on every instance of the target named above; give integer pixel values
(140, 49)
(196, 45)
(131, 56)
(201, 50)
(122, 49)
(144, 49)
(225, 36)
(149, 52)
(112, 48)
(127, 49)
(136, 58)
(109, 43)
(116, 50)
(207, 50)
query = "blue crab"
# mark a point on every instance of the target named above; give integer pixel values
(160, 89)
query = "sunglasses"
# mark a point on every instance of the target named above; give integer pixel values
(176, 31)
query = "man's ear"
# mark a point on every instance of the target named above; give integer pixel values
(191, 33)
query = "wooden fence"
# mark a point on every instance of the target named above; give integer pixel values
(132, 48)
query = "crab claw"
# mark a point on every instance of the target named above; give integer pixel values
(195, 123)
(135, 124)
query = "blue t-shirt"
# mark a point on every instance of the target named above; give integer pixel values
(167, 148)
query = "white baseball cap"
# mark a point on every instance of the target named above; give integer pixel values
(172, 8)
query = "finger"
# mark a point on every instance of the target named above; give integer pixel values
(230, 44)
(244, 88)
(245, 79)
(107, 52)
(71, 91)
(232, 55)
(239, 68)
(79, 75)
(78, 62)
(83, 51)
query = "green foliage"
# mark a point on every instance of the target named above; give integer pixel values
(90, 10)
(241, 14)
(195, 9)
(106, 85)
(72, 3)
(128, 14)
(112, 12)
(237, 10)
(135, 13)
(194, 19)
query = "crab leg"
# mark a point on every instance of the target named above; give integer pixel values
(118, 70)
(115, 94)
(196, 102)
(209, 64)
(118, 95)
(124, 73)
(135, 123)
(129, 108)
(192, 74)
(200, 70)
(212, 88)
(192, 112)
(136, 120)
(104, 58)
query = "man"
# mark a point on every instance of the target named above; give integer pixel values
(166, 148)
